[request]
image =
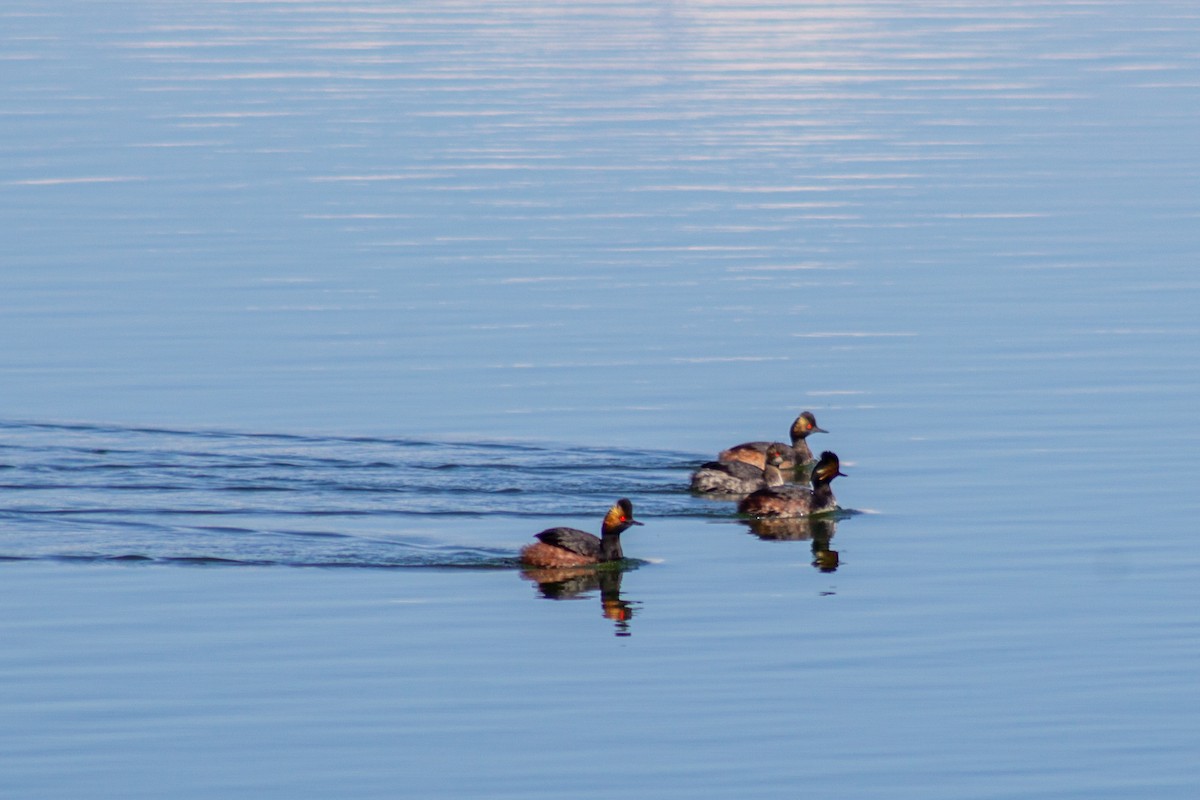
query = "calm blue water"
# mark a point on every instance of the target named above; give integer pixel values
(313, 313)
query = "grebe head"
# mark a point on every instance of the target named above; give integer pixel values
(775, 455)
(619, 517)
(828, 467)
(805, 424)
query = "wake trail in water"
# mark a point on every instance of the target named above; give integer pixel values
(133, 494)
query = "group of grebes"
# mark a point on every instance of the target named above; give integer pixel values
(753, 473)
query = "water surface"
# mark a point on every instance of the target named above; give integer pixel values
(314, 313)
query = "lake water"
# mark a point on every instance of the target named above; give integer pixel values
(313, 313)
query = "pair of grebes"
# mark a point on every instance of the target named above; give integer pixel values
(752, 473)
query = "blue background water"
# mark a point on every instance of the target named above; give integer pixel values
(390, 288)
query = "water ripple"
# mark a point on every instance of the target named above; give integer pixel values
(132, 494)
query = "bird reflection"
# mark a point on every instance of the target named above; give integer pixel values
(818, 530)
(572, 582)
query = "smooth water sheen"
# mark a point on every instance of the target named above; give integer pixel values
(313, 313)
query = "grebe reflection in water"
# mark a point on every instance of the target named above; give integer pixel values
(559, 583)
(819, 530)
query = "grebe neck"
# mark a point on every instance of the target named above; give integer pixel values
(610, 543)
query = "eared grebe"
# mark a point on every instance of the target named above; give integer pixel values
(568, 547)
(798, 454)
(794, 500)
(738, 477)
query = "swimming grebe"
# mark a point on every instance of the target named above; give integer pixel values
(797, 501)
(568, 547)
(738, 477)
(754, 453)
